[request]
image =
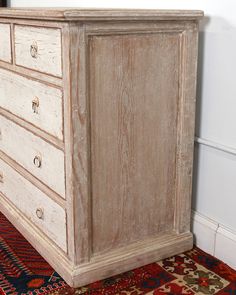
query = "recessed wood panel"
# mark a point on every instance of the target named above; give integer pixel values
(133, 107)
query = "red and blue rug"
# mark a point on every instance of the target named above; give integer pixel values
(24, 272)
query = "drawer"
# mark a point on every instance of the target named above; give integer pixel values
(5, 41)
(39, 49)
(36, 206)
(40, 158)
(33, 101)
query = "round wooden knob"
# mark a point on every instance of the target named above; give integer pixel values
(34, 49)
(37, 161)
(39, 213)
(35, 105)
(1, 177)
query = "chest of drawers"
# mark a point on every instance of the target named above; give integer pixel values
(96, 135)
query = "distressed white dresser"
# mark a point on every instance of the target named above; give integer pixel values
(96, 135)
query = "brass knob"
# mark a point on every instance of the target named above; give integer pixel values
(35, 105)
(34, 49)
(37, 161)
(1, 177)
(39, 213)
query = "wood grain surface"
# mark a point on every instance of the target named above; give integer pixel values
(133, 136)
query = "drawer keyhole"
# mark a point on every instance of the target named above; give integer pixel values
(39, 213)
(34, 49)
(35, 105)
(37, 161)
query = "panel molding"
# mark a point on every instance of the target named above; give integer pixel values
(185, 128)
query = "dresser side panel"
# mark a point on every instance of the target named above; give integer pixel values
(133, 101)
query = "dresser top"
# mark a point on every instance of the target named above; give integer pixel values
(87, 14)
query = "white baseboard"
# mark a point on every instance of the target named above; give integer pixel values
(214, 238)
(204, 230)
(225, 246)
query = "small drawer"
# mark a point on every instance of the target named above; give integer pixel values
(5, 43)
(36, 206)
(40, 158)
(32, 101)
(39, 49)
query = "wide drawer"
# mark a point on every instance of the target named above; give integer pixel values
(5, 43)
(33, 101)
(39, 49)
(37, 207)
(40, 158)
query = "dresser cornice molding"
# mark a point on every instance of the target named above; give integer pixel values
(86, 14)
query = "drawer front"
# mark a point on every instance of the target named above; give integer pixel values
(5, 41)
(36, 206)
(39, 49)
(41, 159)
(33, 101)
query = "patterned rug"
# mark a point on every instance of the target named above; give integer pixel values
(23, 271)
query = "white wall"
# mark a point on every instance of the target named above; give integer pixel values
(215, 170)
